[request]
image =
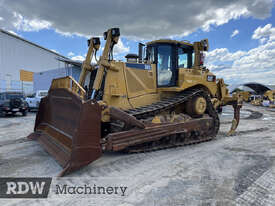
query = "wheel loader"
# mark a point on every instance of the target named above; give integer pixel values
(163, 97)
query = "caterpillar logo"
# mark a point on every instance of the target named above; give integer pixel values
(24, 187)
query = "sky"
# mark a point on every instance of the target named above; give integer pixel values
(241, 33)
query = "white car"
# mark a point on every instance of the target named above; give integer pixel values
(34, 100)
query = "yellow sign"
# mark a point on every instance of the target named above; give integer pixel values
(26, 76)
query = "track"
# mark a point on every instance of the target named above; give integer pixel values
(180, 139)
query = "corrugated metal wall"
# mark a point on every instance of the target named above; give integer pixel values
(42, 80)
(16, 54)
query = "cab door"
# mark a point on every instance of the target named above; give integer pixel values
(167, 72)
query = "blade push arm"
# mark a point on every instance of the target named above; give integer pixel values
(94, 44)
(111, 36)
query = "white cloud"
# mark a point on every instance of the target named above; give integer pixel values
(238, 67)
(81, 58)
(220, 16)
(119, 48)
(78, 58)
(223, 55)
(155, 20)
(234, 33)
(70, 54)
(263, 40)
(1, 18)
(25, 24)
(264, 33)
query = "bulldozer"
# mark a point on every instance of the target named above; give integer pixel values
(245, 95)
(270, 96)
(160, 98)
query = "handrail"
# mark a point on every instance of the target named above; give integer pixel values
(68, 82)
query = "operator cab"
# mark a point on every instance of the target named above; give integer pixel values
(169, 56)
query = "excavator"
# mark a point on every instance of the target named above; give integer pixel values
(161, 98)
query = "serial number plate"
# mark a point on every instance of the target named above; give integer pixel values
(15, 110)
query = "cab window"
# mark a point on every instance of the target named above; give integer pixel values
(150, 54)
(185, 58)
(164, 66)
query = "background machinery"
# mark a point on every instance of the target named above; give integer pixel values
(270, 97)
(163, 97)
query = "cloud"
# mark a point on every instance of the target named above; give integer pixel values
(25, 24)
(70, 54)
(255, 65)
(235, 32)
(119, 48)
(78, 58)
(264, 33)
(137, 19)
(223, 55)
(81, 58)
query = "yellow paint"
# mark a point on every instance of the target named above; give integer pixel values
(26, 76)
(68, 83)
(270, 94)
(127, 88)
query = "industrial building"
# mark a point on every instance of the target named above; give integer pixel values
(18, 54)
(253, 87)
(42, 80)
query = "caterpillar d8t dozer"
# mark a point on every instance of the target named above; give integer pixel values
(161, 98)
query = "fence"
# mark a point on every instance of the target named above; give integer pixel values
(16, 86)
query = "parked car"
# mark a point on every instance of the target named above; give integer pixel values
(12, 102)
(34, 100)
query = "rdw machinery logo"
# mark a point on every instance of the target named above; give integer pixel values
(24, 187)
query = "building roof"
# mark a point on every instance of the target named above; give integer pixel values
(29, 42)
(258, 88)
(74, 62)
(70, 61)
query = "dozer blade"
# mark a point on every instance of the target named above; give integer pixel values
(69, 129)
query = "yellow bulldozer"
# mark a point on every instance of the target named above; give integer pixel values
(163, 97)
(259, 100)
(270, 96)
(245, 95)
